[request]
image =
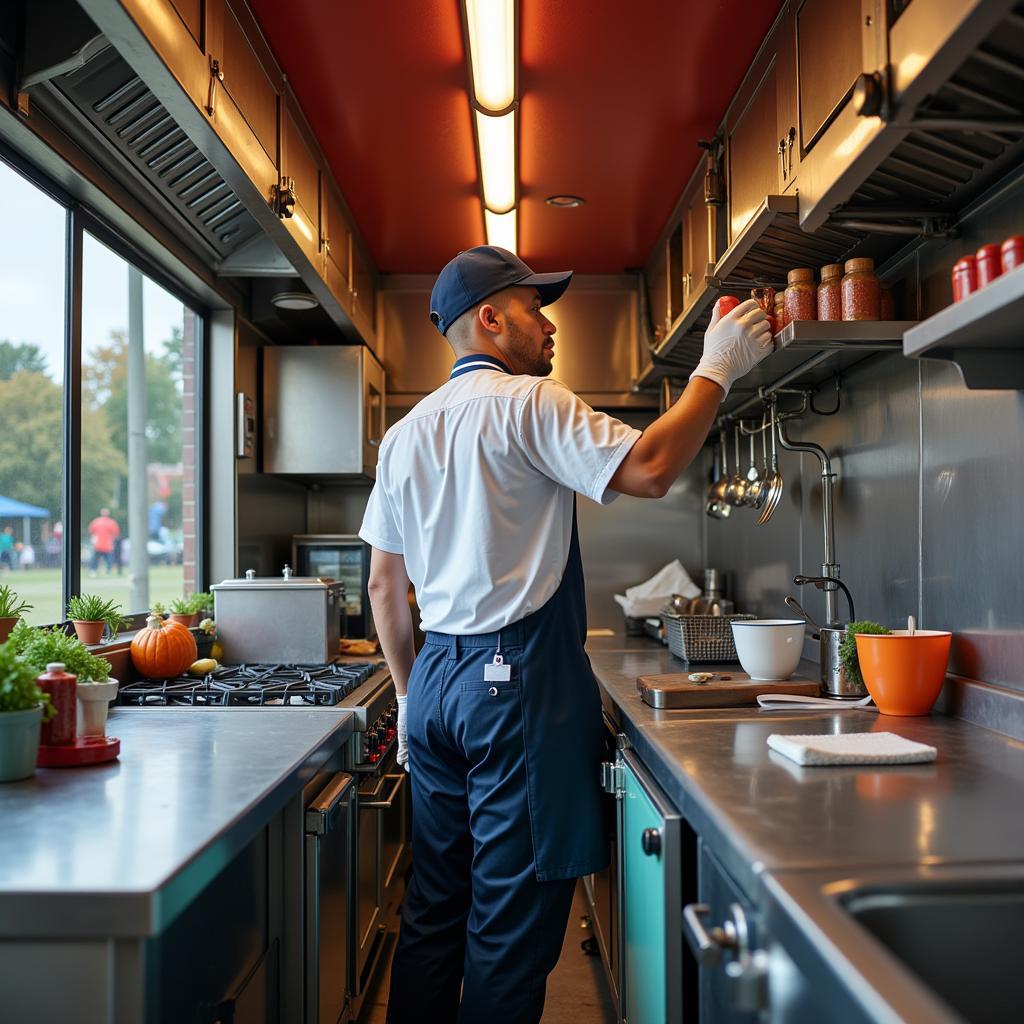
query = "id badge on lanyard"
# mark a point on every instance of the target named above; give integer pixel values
(497, 671)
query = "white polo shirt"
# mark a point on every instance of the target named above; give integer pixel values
(475, 488)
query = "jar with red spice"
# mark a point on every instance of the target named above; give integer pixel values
(830, 301)
(63, 690)
(1012, 253)
(990, 264)
(801, 295)
(965, 278)
(862, 292)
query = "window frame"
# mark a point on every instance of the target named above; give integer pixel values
(80, 218)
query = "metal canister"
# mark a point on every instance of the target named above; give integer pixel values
(834, 680)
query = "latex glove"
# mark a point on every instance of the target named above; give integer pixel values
(403, 733)
(734, 344)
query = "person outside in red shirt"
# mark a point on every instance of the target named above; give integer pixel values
(103, 531)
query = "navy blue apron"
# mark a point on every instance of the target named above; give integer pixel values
(507, 809)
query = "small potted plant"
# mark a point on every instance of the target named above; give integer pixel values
(91, 614)
(202, 605)
(206, 637)
(11, 609)
(40, 647)
(182, 611)
(22, 709)
(159, 609)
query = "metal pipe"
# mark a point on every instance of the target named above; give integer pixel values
(138, 555)
(829, 567)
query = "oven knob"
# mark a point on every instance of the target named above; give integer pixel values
(390, 735)
(374, 758)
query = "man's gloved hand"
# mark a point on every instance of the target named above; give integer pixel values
(734, 344)
(403, 733)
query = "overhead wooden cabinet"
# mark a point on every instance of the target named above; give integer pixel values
(700, 224)
(364, 289)
(658, 303)
(300, 182)
(335, 242)
(789, 149)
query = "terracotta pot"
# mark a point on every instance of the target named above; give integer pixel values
(88, 632)
(904, 673)
(93, 704)
(184, 620)
(7, 623)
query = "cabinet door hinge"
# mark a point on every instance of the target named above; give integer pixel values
(613, 778)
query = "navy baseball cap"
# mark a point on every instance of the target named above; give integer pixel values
(482, 271)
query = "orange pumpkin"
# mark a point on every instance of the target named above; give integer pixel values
(163, 649)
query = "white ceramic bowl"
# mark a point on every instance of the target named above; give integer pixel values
(769, 649)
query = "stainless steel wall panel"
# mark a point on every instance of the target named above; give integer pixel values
(973, 536)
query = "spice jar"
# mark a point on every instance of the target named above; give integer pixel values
(1012, 253)
(990, 264)
(830, 302)
(887, 303)
(62, 687)
(862, 292)
(801, 295)
(965, 278)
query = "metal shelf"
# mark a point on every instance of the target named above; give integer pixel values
(980, 334)
(811, 351)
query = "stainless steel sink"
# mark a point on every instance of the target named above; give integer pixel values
(936, 944)
(961, 939)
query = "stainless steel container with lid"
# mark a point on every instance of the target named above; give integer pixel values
(278, 619)
(711, 601)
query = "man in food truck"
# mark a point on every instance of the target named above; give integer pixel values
(499, 714)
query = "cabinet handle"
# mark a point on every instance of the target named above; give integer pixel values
(216, 75)
(707, 947)
(385, 805)
(782, 158)
(650, 841)
(789, 148)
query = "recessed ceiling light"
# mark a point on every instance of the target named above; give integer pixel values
(294, 300)
(565, 202)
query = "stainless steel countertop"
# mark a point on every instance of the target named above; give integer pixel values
(761, 811)
(119, 849)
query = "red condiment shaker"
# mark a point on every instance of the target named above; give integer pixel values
(726, 304)
(965, 278)
(990, 264)
(63, 690)
(1012, 253)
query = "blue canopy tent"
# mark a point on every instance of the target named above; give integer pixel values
(11, 509)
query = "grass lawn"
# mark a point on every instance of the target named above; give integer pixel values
(42, 589)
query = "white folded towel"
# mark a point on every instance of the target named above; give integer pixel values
(649, 597)
(797, 702)
(852, 748)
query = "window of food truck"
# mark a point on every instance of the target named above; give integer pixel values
(112, 465)
(137, 530)
(32, 372)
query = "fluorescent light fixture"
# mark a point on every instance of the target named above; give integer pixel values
(496, 137)
(491, 29)
(501, 229)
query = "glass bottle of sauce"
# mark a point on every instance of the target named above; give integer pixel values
(801, 295)
(862, 292)
(63, 690)
(830, 299)
(780, 311)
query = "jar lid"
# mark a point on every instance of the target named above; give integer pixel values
(802, 275)
(964, 261)
(1013, 242)
(860, 264)
(987, 251)
(831, 270)
(55, 666)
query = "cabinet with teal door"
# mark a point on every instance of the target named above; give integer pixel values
(651, 896)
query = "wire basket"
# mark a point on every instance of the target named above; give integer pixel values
(697, 638)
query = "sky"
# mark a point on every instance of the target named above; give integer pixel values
(32, 284)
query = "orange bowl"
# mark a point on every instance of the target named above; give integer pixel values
(904, 673)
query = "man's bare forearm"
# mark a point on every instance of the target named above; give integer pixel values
(389, 599)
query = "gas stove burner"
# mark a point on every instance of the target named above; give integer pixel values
(252, 686)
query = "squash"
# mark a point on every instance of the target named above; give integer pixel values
(162, 649)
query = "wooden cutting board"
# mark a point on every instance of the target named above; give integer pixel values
(726, 690)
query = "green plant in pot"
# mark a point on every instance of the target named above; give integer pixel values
(202, 604)
(181, 610)
(206, 638)
(848, 647)
(41, 647)
(91, 615)
(23, 705)
(11, 609)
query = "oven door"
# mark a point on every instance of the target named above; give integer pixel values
(328, 885)
(381, 859)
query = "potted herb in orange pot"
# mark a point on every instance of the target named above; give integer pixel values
(182, 612)
(91, 615)
(11, 609)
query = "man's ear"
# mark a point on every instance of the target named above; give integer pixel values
(488, 316)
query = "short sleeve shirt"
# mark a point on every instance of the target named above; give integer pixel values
(475, 488)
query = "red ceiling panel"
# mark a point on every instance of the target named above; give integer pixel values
(613, 98)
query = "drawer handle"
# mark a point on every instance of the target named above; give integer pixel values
(385, 805)
(707, 946)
